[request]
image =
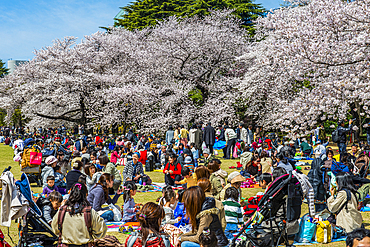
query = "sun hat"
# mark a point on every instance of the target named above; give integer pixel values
(50, 160)
(235, 177)
(188, 160)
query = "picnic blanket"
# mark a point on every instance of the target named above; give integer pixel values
(314, 242)
(365, 209)
(114, 226)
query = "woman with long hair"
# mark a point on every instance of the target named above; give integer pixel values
(266, 162)
(206, 186)
(74, 230)
(202, 212)
(150, 217)
(345, 203)
(99, 195)
(202, 172)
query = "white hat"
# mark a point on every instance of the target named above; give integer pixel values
(50, 160)
(235, 177)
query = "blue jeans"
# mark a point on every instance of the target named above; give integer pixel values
(189, 244)
(230, 229)
(368, 139)
(108, 216)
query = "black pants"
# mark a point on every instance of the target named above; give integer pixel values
(230, 148)
(210, 147)
(170, 181)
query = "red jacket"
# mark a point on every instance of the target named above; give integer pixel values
(176, 168)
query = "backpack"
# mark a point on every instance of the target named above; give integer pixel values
(87, 216)
(252, 205)
(163, 242)
(335, 136)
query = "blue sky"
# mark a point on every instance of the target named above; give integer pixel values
(26, 25)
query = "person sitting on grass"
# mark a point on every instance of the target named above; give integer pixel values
(150, 218)
(170, 197)
(233, 212)
(129, 208)
(50, 205)
(189, 179)
(207, 238)
(50, 187)
(265, 180)
(99, 195)
(59, 177)
(73, 228)
(217, 177)
(48, 170)
(358, 238)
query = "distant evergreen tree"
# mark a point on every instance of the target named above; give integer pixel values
(3, 70)
(143, 13)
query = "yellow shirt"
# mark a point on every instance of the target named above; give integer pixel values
(190, 181)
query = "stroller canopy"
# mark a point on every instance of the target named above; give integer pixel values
(25, 188)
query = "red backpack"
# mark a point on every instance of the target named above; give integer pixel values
(252, 205)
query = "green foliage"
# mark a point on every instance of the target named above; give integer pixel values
(196, 96)
(3, 71)
(143, 13)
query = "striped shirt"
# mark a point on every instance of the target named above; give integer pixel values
(233, 211)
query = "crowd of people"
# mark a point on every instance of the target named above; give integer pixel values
(80, 174)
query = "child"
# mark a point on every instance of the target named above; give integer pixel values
(129, 208)
(189, 179)
(50, 187)
(59, 177)
(207, 238)
(161, 200)
(233, 211)
(92, 175)
(170, 197)
(195, 153)
(50, 205)
(265, 180)
(188, 163)
(48, 170)
(180, 210)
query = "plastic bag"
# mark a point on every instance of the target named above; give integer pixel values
(204, 145)
(117, 213)
(307, 230)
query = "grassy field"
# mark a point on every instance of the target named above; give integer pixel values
(6, 159)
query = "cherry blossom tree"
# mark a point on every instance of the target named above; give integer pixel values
(174, 73)
(311, 64)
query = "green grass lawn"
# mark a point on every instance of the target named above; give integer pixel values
(6, 159)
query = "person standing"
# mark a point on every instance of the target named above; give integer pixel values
(169, 135)
(192, 133)
(230, 137)
(342, 132)
(209, 137)
(198, 138)
(184, 133)
(243, 133)
(250, 136)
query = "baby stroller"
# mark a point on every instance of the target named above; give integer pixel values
(268, 225)
(32, 227)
